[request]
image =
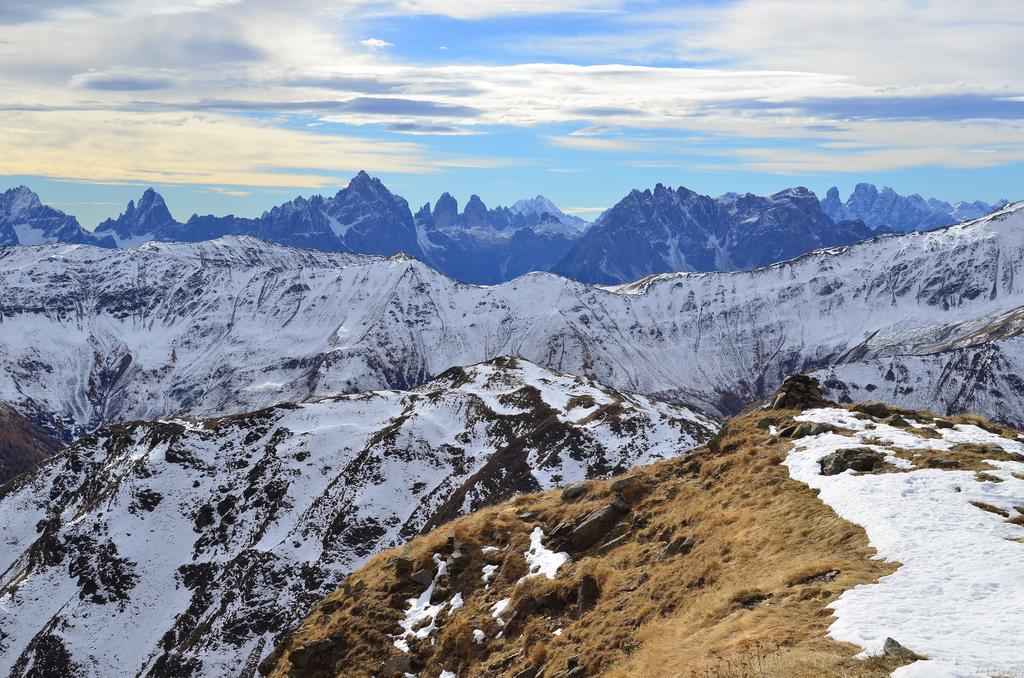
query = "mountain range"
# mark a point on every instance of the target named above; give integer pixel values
(24, 220)
(887, 208)
(667, 230)
(201, 541)
(647, 232)
(248, 423)
(91, 336)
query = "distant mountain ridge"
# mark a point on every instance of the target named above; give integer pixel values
(647, 232)
(668, 230)
(885, 207)
(24, 220)
(235, 324)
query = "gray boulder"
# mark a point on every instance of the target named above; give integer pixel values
(596, 526)
(859, 459)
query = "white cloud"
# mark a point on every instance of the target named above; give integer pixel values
(215, 56)
(595, 144)
(584, 210)
(374, 44)
(482, 9)
(171, 148)
(881, 43)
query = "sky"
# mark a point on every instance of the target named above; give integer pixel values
(233, 106)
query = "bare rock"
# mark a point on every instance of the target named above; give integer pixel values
(587, 593)
(596, 526)
(798, 392)
(421, 578)
(878, 410)
(893, 649)
(859, 459)
(679, 545)
(574, 491)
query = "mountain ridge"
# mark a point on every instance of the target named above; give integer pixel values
(885, 207)
(237, 525)
(237, 324)
(648, 231)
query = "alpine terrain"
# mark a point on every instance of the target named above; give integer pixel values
(91, 336)
(668, 230)
(647, 232)
(805, 540)
(183, 547)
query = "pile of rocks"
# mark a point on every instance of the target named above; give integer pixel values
(799, 392)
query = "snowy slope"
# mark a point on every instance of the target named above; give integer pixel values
(984, 375)
(182, 547)
(958, 596)
(91, 336)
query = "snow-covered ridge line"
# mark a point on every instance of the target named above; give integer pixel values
(958, 596)
(238, 324)
(642, 285)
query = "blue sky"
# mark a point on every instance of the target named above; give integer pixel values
(237, 105)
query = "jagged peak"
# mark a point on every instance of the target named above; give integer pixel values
(21, 198)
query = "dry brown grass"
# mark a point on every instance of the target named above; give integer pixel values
(749, 600)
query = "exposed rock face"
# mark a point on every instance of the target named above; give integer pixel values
(446, 212)
(151, 220)
(238, 525)
(23, 445)
(596, 526)
(664, 230)
(483, 245)
(798, 392)
(885, 207)
(891, 648)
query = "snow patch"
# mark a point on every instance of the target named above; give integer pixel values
(420, 610)
(958, 597)
(542, 560)
(498, 608)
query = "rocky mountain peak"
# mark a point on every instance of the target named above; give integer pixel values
(885, 207)
(20, 199)
(241, 524)
(25, 220)
(446, 211)
(147, 219)
(474, 215)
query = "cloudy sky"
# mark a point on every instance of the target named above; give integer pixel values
(236, 105)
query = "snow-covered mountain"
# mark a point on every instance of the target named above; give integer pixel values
(666, 230)
(90, 336)
(886, 207)
(175, 548)
(24, 220)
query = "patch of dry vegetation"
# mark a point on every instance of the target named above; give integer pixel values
(722, 567)
(748, 598)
